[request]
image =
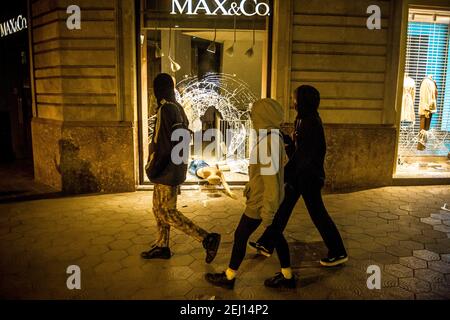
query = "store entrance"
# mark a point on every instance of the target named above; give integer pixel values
(220, 66)
(424, 140)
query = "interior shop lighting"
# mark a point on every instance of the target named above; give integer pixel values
(158, 52)
(230, 50)
(249, 53)
(174, 66)
(212, 45)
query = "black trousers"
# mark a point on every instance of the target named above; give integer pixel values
(243, 232)
(273, 235)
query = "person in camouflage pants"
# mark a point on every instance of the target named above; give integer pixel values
(167, 215)
(167, 175)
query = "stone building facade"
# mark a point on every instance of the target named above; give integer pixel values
(86, 93)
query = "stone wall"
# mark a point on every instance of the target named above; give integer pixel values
(358, 156)
(334, 51)
(84, 157)
(84, 96)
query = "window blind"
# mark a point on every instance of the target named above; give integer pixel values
(427, 53)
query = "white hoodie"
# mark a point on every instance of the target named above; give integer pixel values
(265, 189)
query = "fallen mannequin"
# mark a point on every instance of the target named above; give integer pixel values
(213, 175)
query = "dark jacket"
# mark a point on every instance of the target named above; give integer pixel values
(307, 152)
(160, 168)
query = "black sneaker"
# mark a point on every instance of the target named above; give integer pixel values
(279, 281)
(334, 261)
(157, 253)
(211, 244)
(220, 280)
(260, 249)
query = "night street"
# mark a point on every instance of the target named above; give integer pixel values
(400, 229)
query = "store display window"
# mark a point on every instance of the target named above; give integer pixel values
(424, 139)
(220, 66)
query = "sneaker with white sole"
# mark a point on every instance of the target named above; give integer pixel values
(334, 261)
(260, 249)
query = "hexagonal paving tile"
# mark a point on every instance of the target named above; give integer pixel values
(429, 275)
(398, 270)
(413, 262)
(388, 281)
(440, 216)
(384, 258)
(398, 293)
(413, 245)
(107, 268)
(102, 240)
(388, 216)
(96, 250)
(445, 257)
(399, 251)
(438, 248)
(442, 289)
(120, 244)
(114, 255)
(414, 285)
(181, 260)
(439, 266)
(442, 228)
(429, 296)
(135, 250)
(431, 221)
(426, 255)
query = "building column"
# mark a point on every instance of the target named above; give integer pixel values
(84, 96)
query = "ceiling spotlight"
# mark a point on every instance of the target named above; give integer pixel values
(230, 50)
(212, 45)
(158, 52)
(249, 53)
(174, 66)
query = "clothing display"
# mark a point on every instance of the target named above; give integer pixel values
(428, 97)
(425, 122)
(409, 92)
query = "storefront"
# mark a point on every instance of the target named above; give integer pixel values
(93, 96)
(15, 91)
(218, 56)
(424, 138)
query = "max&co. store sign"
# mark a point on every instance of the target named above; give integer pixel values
(221, 7)
(12, 26)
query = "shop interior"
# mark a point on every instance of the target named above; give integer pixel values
(220, 68)
(424, 140)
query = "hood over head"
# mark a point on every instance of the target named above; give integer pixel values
(267, 114)
(164, 87)
(308, 101)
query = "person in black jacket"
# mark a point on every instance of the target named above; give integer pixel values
(304, 176)
(167, 174)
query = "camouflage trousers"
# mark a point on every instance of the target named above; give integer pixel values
(167, 215)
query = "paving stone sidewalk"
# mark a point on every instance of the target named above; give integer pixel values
(400, 229)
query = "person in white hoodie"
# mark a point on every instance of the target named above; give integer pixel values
(264, 191)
